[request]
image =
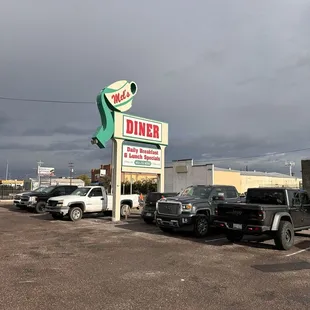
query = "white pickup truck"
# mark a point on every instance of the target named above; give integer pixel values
(87, 199)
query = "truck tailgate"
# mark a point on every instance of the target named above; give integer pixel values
(239, 213)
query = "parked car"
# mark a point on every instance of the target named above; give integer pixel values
(87, 199)
(276, 212)
(193, 209)
(38, 200)
(148, 212)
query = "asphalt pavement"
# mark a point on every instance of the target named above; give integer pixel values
(96, 264)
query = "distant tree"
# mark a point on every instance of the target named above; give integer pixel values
(84, 178)
(106, 182)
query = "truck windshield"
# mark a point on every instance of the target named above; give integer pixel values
(47, 189)
(39, 189)
(266, 196)
(81, 191)
(196, 191)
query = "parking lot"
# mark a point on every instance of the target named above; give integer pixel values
(96, 264)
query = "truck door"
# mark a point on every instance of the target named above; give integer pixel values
(95, 201)
(295, 208)
(305, 208)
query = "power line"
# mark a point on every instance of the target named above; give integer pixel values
(46, 101)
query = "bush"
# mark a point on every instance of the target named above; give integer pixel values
(138, 187)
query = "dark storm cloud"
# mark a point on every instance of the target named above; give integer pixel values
(55, 146)
(4, 121)
(63, 130)
(230, 79)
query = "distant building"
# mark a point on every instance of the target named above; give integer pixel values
(12, 182)
(183, 173)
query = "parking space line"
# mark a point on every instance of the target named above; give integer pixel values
(212, 240)
(304, 250)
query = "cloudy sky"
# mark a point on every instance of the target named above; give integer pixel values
(230, 77)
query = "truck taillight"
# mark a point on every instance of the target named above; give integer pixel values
(216, 211)
(261, 215)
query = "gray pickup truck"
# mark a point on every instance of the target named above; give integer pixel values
(193, 208)
(276, 212)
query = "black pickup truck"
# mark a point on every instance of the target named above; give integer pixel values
(148, 212)
(193, 208)
(277, 212)
(38, 200)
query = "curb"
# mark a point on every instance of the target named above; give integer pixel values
(4, 202)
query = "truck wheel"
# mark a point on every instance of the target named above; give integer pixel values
(57, 216)
(284, 238)
(40, 207)
(201, 226)
(75, 214)
(234, 236)
(123, 210)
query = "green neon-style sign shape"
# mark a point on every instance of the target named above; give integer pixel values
(117, 97)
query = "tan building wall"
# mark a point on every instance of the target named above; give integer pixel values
(243, 180)
(228, 178)
(248, 181)
(12, 182)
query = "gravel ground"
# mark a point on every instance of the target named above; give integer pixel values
(96, 264)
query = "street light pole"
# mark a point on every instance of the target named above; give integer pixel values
(39, 175)
(71, 166)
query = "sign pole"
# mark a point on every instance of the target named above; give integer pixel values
(117, 179)
(161, 179)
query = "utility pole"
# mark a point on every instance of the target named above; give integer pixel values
(38, 172)
(7, 170)
(71, 166)
(290, 164)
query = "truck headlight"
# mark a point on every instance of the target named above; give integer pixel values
(33, 198)
(60, 202)
(187, 207)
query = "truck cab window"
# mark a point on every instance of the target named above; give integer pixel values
(304, 198)
(231, 193)
(96, 192)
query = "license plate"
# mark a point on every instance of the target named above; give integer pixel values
(237, 226)
(148, 214)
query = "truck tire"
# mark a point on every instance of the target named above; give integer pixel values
(75, 214)
(234, 236)
(123, 210)
(57, 216)
(284, 238)
(201, 225)
(40, 207)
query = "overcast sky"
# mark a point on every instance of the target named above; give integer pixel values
(230, 77)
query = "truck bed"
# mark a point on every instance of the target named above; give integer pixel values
(247, 214)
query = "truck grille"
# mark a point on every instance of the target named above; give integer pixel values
(52, 203)
(170, 208)
(25, 198)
